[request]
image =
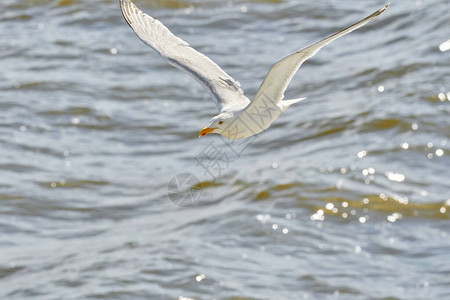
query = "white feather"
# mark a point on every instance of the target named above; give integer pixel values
(223, 87)
(239, 118)
(281, 73)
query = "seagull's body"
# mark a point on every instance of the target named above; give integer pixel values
(238, 116)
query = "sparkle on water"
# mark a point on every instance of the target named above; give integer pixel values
(351, 182)
(395, 176)
(445, 46)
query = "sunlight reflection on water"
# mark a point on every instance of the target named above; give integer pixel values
(344, 188)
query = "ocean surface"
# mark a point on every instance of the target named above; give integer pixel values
(106, 191)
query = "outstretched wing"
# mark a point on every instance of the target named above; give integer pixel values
(178, 53)
(281, 73)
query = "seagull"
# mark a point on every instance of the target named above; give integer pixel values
(238, 117)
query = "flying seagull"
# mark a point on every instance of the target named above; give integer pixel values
(238, 116)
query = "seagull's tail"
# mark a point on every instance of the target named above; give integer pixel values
(286, 103)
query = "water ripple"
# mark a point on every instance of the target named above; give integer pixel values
(346, 193)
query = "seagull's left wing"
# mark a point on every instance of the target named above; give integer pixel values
(223, 87)
(281, 73)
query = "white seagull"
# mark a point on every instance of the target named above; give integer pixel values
(238, 116)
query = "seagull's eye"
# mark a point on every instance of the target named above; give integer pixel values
(220, 122)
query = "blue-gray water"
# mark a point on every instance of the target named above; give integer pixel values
(346, 196)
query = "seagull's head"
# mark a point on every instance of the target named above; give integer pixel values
(216, 125)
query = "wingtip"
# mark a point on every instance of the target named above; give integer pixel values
(380, 11)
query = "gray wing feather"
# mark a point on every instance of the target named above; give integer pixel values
(281, 73)
(225, 90)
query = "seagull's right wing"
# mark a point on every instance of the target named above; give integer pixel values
(223, 87)
(281, 73)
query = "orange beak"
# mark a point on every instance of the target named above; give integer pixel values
(206, 131)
